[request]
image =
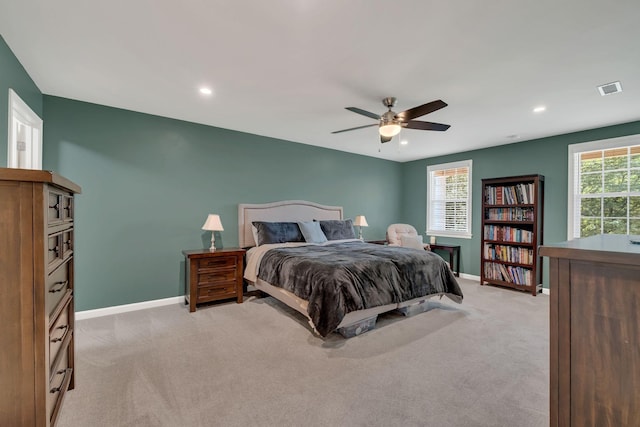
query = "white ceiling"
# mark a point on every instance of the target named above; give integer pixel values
(287, 68)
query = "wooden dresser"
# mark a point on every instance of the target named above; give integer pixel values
(595, 331)
(36, 295)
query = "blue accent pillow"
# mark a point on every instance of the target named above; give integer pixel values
(338, 229)
(277, 232)
(312, 232)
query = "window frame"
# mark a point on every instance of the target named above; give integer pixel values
(573, 172)
(31, 157)
(469, 219)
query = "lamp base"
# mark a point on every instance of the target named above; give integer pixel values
(213, 242)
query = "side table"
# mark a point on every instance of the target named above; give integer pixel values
(452, 249)
(213, 275)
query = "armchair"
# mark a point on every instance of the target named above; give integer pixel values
(405, 235)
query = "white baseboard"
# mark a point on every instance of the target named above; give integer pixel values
(99, 312)
(472, 277)
(107, 311)
(469, 276)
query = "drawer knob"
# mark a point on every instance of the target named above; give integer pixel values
(58, 287)
(63, 327)
(59, 388)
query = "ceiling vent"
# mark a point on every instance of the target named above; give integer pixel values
(609, 88)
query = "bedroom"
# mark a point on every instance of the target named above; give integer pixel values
(148, 183)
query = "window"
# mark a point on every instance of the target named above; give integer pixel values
(449, 199)
(25, 135)
(604, 187)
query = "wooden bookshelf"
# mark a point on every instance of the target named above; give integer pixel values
(512, 219)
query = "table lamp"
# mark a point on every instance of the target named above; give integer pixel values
(360, 221)
(213, 224)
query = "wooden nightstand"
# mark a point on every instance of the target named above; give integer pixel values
(213, 276)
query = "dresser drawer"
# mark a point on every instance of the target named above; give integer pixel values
(217, 262)
(67, 243)
(54, 250)
(55, 211)
(215, 292)
(56, 287)
(217, 276)
(60, 334)
(58, 385)
(67, 208)
(60, 207)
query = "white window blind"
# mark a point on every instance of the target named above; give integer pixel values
(604, 187)
(449, 199)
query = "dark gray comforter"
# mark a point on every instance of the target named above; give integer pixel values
(343, 277)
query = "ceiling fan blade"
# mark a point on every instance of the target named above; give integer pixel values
(363, 112)
(359, 127)
(415, 124)
(384, 139)
(421, 110)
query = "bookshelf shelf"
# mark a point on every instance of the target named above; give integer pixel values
(512, 231)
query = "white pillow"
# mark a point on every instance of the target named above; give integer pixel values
(414, 242)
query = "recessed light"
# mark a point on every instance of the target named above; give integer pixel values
(609, 88)
(539, 109)
(404, 142)
(205, 91)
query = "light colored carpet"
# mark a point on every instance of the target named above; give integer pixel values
(482, 363)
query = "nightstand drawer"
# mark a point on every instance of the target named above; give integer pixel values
(220, 291)
(216, 276)
(217, 262)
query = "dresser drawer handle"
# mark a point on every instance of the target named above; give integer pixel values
(56, 206)
(59, 388)
(56, 249)
(58, 287)
(63, 327)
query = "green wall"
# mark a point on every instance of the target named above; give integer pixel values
(13, 76)
(547, 156)
(149, 182)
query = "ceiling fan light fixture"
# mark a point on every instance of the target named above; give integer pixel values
(390, 129)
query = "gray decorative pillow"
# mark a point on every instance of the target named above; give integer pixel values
(312, 232)
(277, 232)
(338, 229)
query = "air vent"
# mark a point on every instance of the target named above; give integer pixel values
(609, 88)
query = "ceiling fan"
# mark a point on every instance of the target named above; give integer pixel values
(390, 122)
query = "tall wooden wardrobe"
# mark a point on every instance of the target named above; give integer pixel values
(36, 295)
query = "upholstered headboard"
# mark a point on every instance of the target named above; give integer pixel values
(288, 210)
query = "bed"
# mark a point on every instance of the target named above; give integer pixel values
(341, 284)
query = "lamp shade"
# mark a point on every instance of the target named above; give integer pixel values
(213, 223)
(360, 221)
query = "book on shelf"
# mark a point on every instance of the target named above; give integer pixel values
(507, 233)
(517, 194)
